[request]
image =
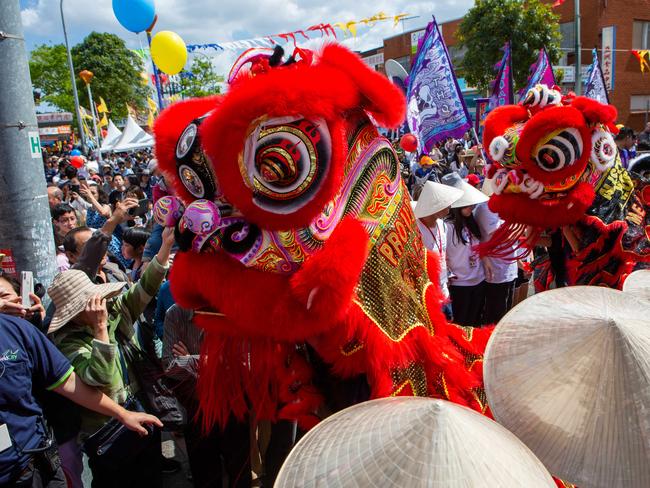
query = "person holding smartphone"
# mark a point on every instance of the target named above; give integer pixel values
(30, 364)
(11, 301)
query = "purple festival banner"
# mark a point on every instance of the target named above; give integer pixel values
(436, 108)
(540, 73)
(596, 81)
(481, 112)
(503, 90)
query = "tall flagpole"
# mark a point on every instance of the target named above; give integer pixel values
(156, 73)
(87, 77)
(578, 77)
(82, 136)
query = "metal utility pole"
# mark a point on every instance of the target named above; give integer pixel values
(25, 222)
(74, 84)
(578, 87)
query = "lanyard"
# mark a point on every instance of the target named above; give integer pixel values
(436, 240)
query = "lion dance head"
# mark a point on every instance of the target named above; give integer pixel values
(294, 226)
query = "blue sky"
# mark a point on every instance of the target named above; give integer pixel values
(206, 21)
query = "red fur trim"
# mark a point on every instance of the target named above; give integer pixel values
(595, 112)
(521, 209)
(168, 128)
(500, 119)
(268, 305)
(334, 272)
(433, 266)
(226, 384)
(541, 125)
(385, 101)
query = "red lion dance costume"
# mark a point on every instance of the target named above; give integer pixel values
(295, 227)
(555, 165)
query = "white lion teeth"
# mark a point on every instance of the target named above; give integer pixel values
(503, 178)
(531, 186)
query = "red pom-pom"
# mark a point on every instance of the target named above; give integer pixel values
(409, 143)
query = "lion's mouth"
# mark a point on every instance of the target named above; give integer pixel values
(513, 182)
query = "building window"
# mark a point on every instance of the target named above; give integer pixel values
(639, 103)
(641, 34)
(568, 33)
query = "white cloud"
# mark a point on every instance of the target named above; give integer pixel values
(208, 21)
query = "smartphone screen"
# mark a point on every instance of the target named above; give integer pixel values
(142, 208)
(26, 287)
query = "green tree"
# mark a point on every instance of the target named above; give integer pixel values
(117, 72)
(529, 25)
(201, 80)
(48, 66)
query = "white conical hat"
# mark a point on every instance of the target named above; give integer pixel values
(568, 372)
(638, 283)
(434, 198)
(411, 442)
(471, 196)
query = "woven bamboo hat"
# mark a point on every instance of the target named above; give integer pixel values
(568, 372)
(638, 283)
(70, 292)
(411, 442)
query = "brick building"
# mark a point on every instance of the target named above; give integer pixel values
(618, 26)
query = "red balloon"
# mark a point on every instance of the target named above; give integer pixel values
(77, 161)
(409, 143)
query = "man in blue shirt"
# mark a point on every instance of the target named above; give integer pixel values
(30, 362)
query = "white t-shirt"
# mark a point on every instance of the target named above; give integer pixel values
(503, 270)
(435, 239)
(462, 260)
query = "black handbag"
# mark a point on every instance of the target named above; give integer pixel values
(156, 393)
(113, 445)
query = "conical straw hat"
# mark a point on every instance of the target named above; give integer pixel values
(638, 283)
(410, 442)
(568, 372)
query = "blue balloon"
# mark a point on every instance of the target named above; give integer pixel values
(75, 152)
(135, 15)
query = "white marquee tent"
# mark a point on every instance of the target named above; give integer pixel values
(132, 138)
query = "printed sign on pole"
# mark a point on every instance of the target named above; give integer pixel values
(35, 144)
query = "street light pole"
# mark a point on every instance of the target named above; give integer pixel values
(25, 221)
(74, 84)
(578, 86)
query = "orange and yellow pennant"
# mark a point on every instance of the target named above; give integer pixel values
(641, 55)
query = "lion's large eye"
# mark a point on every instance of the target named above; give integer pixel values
(560, 151)
(285, 162)
(194, 169)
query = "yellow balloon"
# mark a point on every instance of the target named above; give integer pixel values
(168, 51)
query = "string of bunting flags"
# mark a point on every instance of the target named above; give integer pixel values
(324, 29)
(643, 56)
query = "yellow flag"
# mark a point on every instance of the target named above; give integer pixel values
(85, 126)
(640, 55)
(352, 27)
(84, 113)
(103, 122)
(102, 108)
(152, 105)
(342, 26)
(397, 19)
